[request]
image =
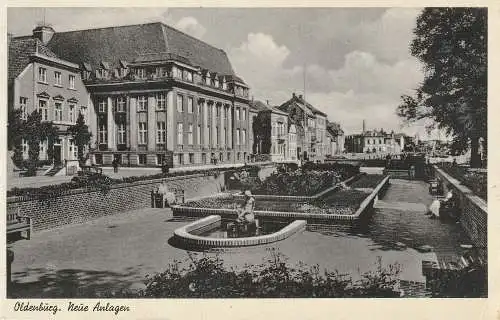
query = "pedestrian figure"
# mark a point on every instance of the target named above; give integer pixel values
(115, 165)
(411, 172)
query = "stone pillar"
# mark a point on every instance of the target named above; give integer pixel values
(223, 124)
(170, 121)
(230, 127)
(206, 141)
(111, 126)
(133, 123)
(213, 124)
(151, 123)
(127, 122)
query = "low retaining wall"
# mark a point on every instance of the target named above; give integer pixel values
(474, 217)
(183, 235)
(80, 205)
(315, 218)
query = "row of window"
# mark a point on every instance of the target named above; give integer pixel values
(160, 100)
(160, 158)
(73, 149)
(60, 111)
(375, 141)
(58, 81)
(161, 134)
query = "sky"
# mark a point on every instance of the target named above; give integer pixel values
(356, 60)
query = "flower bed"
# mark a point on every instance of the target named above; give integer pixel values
(344, 202)
(368, 181)
(476, 181)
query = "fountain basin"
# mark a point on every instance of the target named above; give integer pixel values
(191, 235)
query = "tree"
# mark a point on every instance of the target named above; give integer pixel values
(452, 45)
(262, 133)
(81, 136)
(36, 131)
(15, 128)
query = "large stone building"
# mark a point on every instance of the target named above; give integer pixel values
(157, 94)
(38, 79)
(310, 126)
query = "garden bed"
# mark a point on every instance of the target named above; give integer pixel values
(368, 181)
(477, 181)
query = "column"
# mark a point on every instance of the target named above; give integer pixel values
(230, 127)
(133, 123)
(213, 124)
(151, 123)
(111, 126)
(223, 124)
(206, 141)
(91, 119)
(170, 121)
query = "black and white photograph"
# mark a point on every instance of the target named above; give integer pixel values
(157, 153)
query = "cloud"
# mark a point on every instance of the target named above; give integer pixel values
(364, 87)
(191, 26)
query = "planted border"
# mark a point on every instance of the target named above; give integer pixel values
(309, 217)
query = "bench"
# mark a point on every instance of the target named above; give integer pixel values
(19, 224)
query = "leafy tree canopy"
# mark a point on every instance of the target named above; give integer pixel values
(451, 43)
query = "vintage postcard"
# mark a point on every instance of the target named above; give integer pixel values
(166, 153)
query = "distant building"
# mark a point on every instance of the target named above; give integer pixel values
(375, 142)
(310, 126)
(272, 132)
(336, 142)
(38, 79)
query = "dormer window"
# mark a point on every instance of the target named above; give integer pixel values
(161, 71)
(140, 73)
(123, 70)
(216, 82)
(176, 72)
(207, 79)
(224, 84)
(189, 76)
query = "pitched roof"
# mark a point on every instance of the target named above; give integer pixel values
(303, 104)
(260, 106)
(20, 51)
(128, 43)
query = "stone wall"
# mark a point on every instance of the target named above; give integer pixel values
(80, 205)
(474, 217)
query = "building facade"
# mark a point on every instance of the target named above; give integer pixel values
(310, 125)
(272, 132)
(158, 95)
(39, 80)
(375, 142)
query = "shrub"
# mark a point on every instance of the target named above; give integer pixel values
(207, 277)
(299, 182)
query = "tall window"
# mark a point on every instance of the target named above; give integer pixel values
(237, 112)
(103, 105)
(72, 113)
(57, 111)
(142, 102)
(217, 108)
(190, 134)
(190, 105)
(180, 133)
(71, 81)
(161, 135)
(198, 135)
(238, 136)
(23, 102)
(42, 74)
(243, 114)
(121, 102)
(58, 78)
(217, 135)
(143, 133)
(243, 136)
(121, 134)
(224, 136)
(103, 134)
(161, 71)
(161, 101)
(180, 103)
(44, 110)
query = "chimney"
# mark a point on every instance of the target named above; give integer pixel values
(43, 33)
(300, 96)
(267, 102)
(293, 95)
